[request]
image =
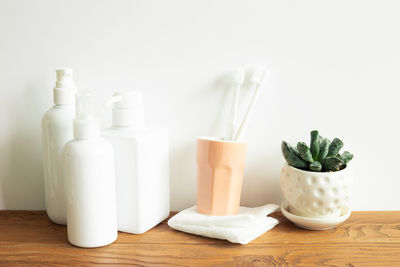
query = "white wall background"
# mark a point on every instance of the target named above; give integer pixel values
(335, 66)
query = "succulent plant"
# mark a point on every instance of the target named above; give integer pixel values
(322, 154)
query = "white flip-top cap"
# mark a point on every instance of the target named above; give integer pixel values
(86, 125)
(65, 88)
(127, 109)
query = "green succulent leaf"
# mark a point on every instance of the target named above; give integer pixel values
(314, 136)
(323, 149)
(332, 163)
(315, 149)
(315, 166)
(335, 147)
(292, 156)
(346, 157)
(304, 152)
(322, 154)
(314, 144)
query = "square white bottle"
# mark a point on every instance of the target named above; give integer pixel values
(141, 165)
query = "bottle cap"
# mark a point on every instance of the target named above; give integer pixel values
(65, 88)
(86, 125)
(127, 109)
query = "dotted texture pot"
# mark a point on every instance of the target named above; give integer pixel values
(316, 194)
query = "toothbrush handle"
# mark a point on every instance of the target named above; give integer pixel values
(243, 126)
(230, 132)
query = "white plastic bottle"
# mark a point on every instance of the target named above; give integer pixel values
(141, 164)
(88, 164)
(56, 131)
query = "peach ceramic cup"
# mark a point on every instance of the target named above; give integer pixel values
(220, 168)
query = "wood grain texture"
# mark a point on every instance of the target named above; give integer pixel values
(28, 238)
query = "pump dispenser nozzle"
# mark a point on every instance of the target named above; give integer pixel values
(84, 106)
(127, 109)
(65, 87)
(86, 125)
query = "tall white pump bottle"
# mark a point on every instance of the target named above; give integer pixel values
(141, 165)
(56, 131)
(88, 164)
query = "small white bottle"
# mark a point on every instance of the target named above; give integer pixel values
(56, 131)
(141, 165)
(88, 164)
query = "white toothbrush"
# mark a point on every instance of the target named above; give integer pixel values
(257, 79)
(237, 80)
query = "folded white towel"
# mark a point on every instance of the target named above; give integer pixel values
(249, 224)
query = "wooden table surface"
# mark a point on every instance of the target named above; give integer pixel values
(28, 238)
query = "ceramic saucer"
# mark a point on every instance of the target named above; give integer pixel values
(314, 223)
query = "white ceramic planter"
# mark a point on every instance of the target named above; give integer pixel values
(316, 194)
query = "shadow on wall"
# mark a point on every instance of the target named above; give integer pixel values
(22, 180)
(261, 182)
(215, 95)
(223, 105)
(261, 179)
(183, 176)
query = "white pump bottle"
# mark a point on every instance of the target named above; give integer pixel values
(141, 165)
(88, 164)
(56, 131)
